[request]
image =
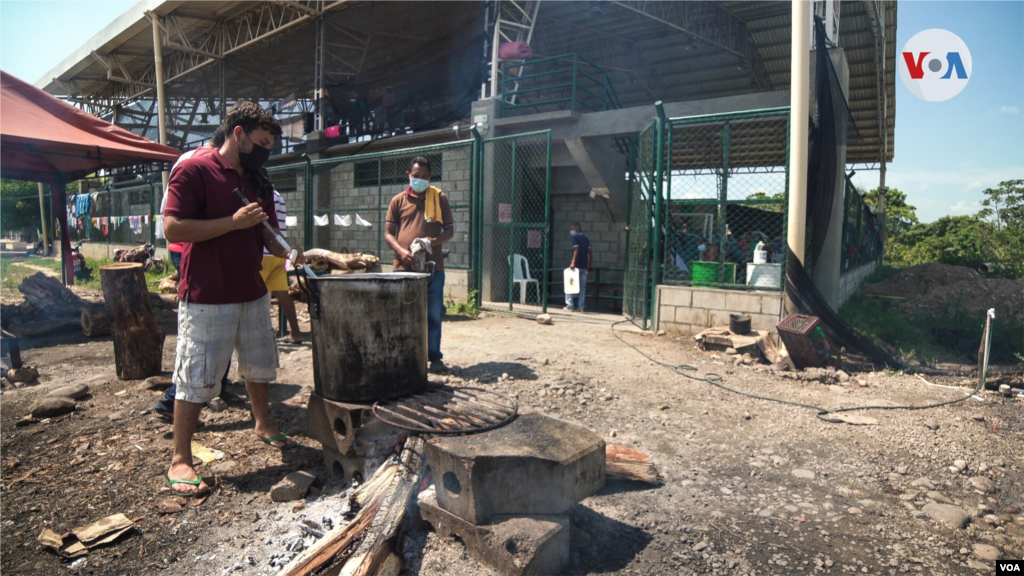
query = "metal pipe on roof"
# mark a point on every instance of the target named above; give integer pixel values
(799, 95)
(158, 61)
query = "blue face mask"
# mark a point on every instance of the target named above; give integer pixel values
(418, 184)
(701, 248)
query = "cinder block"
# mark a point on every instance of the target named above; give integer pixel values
(718, 318)
(350, 468)
(695, 316)
(511, 545)
(708, 298)
(534, 465)
(743, 302)
(764, 322)
(771, 305)
(672, 296)
(350, 429)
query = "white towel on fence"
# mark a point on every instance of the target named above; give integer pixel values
(320, 220)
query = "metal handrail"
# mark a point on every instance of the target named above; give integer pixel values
(589, 85)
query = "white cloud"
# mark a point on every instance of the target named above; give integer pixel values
(1010, 110)
(964, 207)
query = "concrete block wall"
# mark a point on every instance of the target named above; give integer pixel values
(851, 280)
(689, 310)
(291, 183)
(336, 193)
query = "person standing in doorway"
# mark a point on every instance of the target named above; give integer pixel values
(422, 211)
(582, 258)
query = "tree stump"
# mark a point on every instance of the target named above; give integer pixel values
(138, 341)
(95, 321)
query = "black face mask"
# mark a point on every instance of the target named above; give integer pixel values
(252, 160)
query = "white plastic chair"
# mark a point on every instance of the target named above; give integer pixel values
(521, 276)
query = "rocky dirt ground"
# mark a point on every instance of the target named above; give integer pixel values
(751, 487)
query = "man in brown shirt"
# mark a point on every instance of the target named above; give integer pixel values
(422, 211)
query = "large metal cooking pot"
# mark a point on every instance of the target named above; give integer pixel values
(369, 335)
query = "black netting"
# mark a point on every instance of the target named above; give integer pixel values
(832, 129)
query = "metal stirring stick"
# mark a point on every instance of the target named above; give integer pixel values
(280, 239)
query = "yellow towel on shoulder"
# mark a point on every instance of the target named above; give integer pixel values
(432, 204)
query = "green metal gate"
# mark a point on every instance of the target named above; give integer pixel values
(644, 181)
(514, 219)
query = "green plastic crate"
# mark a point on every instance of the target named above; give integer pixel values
(706, 273)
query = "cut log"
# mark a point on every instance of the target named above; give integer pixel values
(46, 294)
(138, 341)
(41, 327)
(168, 301)
(95, 321)
(626, 463)
(386, 497)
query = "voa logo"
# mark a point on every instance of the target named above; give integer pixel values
(935, 65)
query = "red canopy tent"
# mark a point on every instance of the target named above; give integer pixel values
(44, 139)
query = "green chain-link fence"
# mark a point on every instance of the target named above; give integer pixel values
(644, 175)
(697, 215)
(862, 239)
(514, 213)
(116, 215)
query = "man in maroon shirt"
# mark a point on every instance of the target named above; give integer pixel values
(224, 302)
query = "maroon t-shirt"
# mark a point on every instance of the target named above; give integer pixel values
(225, 269)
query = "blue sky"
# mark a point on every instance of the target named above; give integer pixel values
(946, 152)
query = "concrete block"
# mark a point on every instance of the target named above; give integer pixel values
(672, 296)
(350, 428)
(771, 305)
(511, 545)
(534, 465)
(708, 298)
(764, 322)
(743, 302)
(696, 316)
(351, 467)
(665, 314)
(718, 317)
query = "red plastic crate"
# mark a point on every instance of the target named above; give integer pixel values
(807, 342)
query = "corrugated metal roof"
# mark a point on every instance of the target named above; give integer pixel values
(647, 59)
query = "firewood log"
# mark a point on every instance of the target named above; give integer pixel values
(138, 341)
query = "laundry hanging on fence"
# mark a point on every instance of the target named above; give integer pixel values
(343, 220)
(104, 226)
(289, 221)
(362, 222)
(320, 220)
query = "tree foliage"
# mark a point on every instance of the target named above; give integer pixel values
(993, 235)
(19, 206)
(899, 216)
(775, 206)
